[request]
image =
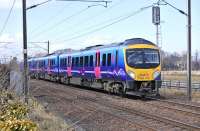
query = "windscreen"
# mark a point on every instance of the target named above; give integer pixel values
(142, 58)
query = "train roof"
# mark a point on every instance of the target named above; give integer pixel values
(137, 41)
(125, 43)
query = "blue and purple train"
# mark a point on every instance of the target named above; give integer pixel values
(129, 67)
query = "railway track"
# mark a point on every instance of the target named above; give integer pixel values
(145, 117)
(175, 123)
(185, 105)
(93, 110)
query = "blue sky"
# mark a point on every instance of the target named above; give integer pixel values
(70, 24)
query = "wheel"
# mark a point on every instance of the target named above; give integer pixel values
(121, 90)
(68, 81)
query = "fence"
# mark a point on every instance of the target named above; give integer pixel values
(4, 76)
(179, 84)
(11, 77)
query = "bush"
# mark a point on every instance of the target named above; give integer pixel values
(18, 125)
(13, 115)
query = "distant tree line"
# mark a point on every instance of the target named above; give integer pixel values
(178, 61)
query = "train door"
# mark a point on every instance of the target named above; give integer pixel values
(110, 64)
(97, 65)
(116, 63)
(37, 66)
(48, 67)
(69, 64)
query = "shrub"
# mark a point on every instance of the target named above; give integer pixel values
(13, 115)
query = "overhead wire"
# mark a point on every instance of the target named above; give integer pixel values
(60, 22)
(119, 19)
(181, 11)
(88, 19)
(6, 21)
(36, 5)
(38, 46)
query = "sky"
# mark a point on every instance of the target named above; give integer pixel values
(77, 25)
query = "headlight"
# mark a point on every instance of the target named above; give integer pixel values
(156, 74)
(131, 74)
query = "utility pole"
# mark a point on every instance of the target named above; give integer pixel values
(189, 92)
(189, 68)
(156, 22)
(26, 88)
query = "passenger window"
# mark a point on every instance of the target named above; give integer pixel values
(104, 60)
(116, 58)
(81, 61)
(65, 62)
(86, 61)
(91, 60)
(60, 62)
(73, 62)
(109, 59)
(77, 61)
(69, 60)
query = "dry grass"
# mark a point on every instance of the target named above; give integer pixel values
(182, 76)
(172, 92)
(179, 93)
(46, 120)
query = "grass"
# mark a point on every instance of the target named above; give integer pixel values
(46, 120)
(179, 94)
(181, 76)
(14, 114)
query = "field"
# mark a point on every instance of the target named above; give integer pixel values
(176, 93)
(180, 75)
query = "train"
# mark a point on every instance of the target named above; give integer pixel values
(129, 67)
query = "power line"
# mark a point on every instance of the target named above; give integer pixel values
(91, 1)
(181, 11)
(105, 26)
(6, 22)
(87, 19)
(60, 22)
(36, 5)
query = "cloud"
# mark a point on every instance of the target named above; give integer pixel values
(11, 49)
(6, 37)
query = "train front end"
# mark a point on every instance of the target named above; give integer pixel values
(143, 68)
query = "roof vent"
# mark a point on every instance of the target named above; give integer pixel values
(90, 47)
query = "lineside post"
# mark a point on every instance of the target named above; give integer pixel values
(48, 47)
(189, 91)
(26, 90)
